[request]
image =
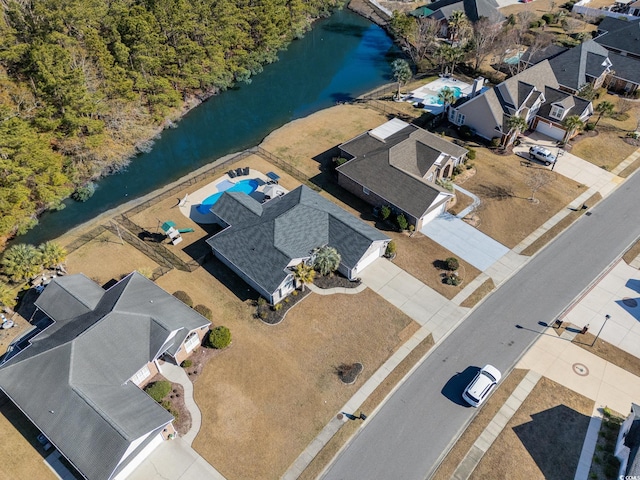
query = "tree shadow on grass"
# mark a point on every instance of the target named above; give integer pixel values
(455, 386)
(554, 439)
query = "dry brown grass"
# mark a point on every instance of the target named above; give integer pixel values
(479, 293)
(477, 426)
(325, 455)
(532, 445)
(24, 456)
(106, 258)
(612, 142)
(510, 220)
(630, 255)
(608, 352)
(559, 227)
(267, 396)
(462, 202)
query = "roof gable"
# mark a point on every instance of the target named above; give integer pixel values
(573, 67)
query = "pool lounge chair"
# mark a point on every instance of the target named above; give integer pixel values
(245, 171)
(231, 173)
(239, 172)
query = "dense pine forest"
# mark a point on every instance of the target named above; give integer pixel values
(84, 84)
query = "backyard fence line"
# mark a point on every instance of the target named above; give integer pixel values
(287, 167)
(84, 239)
(379, 92)
(387, 109)
(140, 245)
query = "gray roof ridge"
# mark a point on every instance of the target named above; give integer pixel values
(415, 177)
(62, 286)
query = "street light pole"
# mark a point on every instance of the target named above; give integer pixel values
(606, 317)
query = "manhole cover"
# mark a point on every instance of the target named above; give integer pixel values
(588, 214)
(580, 369)
(630, 302)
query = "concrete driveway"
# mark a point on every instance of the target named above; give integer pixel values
(463, 240)
(569, 165)
(174, 460)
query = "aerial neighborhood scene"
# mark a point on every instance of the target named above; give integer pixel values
(372, 239)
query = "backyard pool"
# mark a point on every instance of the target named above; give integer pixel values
(247, 186)
(435, 100)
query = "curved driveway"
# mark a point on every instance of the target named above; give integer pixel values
(413, 430)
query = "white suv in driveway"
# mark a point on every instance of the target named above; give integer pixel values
(542, 154)
(482, 385)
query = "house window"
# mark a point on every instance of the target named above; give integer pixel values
(557, 112)
(365, 190)
(141, 375)
(192, 341)
(459, 119)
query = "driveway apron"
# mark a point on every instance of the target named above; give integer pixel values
(463, 240)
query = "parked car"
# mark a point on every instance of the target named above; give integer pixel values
(482, 385)
(542, 154)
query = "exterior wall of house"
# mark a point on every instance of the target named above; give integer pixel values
(182, 354)
(621, 451)
(284, 289)
(620, 85)
(371, 197)
(153, 369)
(133, 463)
(476, 117)
(376, 250)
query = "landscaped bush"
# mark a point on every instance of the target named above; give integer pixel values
(186, 363)
(219, 337)
(402, 222)
(465, 131)
(589, 127)
(183, 297)
(204, 311)
(169, 408)
(472, 154)
(84, 193)
(452, 264)
(549, 18)
(457, 170)
(158, 390)
(452, 279)
(495, 142)
(385, 211)
(391, 249)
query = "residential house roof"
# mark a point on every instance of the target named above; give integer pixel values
(572, 105)
(394, 167)
(632, 441)
(73, 380)
(546, 53)
(473, 9)
(624, 67)
(263, 239)
(622, 35)
(573, 67)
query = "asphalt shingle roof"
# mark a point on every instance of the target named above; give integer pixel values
(73, 380)
(393, 168)
(623, 35)
(573, 67)
(262, 244)
(473, 9)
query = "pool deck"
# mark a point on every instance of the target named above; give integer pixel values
(189, 208)
(433, 88)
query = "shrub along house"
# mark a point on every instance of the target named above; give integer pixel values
(263, 242)
(398, 164)
(79, 379)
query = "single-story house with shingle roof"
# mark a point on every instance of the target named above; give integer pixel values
(263, 242)
(79, 379)
(397, 164)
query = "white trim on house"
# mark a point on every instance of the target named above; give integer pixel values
(141, 375)
(138, 459)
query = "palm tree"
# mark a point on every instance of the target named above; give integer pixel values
(7, 295)
(52, 254)
(401, 72)
(326, 260)
(516, 125)
(303, 274)
(21, 261)
(447, 96)
(572, 124)
(456, 22)
(605, 109)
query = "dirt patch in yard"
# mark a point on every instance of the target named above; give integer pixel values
(531, 445)
(266, 398)
(479, 293)
(506, 213)
(631, 254)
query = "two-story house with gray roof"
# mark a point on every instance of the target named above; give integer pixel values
(622, 39)
(79, 379)
(397, 164)
(533, 94)
(263, 242)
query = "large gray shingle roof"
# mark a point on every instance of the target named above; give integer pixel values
(73, 380)
(262, 244)
(620, 35)
(473, 9)
(573, 67)
(393, 168)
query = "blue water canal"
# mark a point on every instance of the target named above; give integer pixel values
(341, 57)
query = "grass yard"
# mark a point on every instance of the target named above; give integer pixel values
(24, 456)
(532, 446)
(266, 397)
(506, 214)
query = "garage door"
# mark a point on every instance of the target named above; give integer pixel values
(550, 130)
(434, 213)
(369, 259)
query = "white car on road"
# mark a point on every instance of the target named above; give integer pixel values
(482, 385)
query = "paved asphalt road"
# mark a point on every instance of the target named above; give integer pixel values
(409, 434)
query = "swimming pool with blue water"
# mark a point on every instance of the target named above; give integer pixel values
(435, 100)
(247, 186)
